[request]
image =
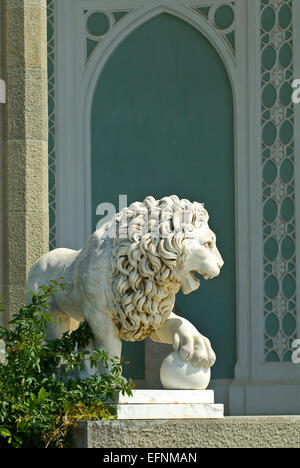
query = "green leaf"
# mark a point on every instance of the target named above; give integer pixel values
(4, 432)
(37, 400)
(42, 395)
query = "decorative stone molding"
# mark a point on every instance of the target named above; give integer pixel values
(98, 23)
(221, 18)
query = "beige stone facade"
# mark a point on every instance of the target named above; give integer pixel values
(24, 148)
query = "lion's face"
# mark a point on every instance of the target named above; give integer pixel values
(203, 257)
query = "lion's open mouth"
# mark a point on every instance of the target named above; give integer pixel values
(206, 276)
(192, 282)
(193, 275)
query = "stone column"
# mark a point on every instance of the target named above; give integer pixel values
(2, 128)
(26, 231)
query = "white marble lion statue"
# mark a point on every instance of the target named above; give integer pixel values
(125, 279)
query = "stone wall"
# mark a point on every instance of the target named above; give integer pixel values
(2, 129)
(231, 432)
(24, 184)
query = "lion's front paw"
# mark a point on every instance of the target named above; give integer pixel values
(194, 347)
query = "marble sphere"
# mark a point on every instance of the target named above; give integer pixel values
(175, 373)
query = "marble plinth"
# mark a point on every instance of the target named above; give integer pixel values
(169, 404)
(168, 396)
(171, 411)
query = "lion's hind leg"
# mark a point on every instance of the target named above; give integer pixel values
(62, 324)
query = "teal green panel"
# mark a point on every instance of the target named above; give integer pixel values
(269, 133)
(270, 172)
(224, 17)
(272, 325)
(287, 357)
(288, 286)
(90, 46)
(269, 57)
(271, 249)
(134, 355)
(286, 171)
(231, 39)
(289, 324)
(268, 19)
(287, 248)
(97, 24)
(204, 11)
(287, 209)
(271, 287)
(269, 95)
(286, 132)
(119, 14)
(286, 94)
(272, 357)
(162, 124)
(285, 16)
(270, 210)
(285, 55)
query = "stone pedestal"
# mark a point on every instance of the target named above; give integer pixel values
(228, 432)
(169, 404)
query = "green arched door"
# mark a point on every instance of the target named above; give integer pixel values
(162, 124)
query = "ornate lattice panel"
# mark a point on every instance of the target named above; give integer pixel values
(278, 178)
(222, 19)
(51, 118)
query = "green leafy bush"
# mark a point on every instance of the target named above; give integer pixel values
(40, 396)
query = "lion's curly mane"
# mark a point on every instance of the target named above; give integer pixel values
(145, 266)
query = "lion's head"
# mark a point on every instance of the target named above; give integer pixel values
(159, 246)
(202, 257)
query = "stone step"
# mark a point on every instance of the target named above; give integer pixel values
(167, 397)
(228, 432)
(170, 411)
